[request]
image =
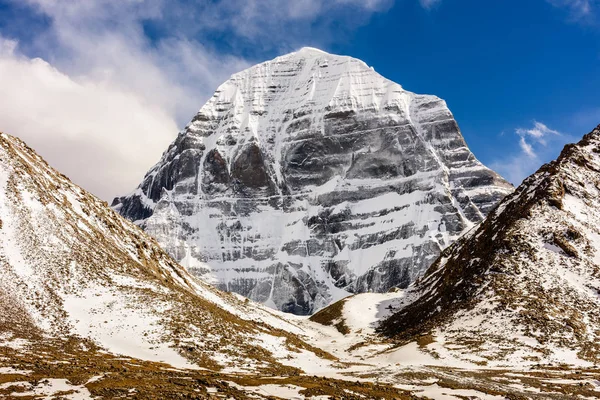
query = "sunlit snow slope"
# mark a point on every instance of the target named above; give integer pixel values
(309, 177)
(71, 266)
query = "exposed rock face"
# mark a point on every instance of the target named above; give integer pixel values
(526, 283)
(309, 177)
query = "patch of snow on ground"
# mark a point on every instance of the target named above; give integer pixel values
(290, 392)
(361, 313)
(11, 370)
(305, 360)
(107, 318)
(441, 393)
(16, 344)
(48, 388)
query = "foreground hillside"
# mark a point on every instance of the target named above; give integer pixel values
(525, 285)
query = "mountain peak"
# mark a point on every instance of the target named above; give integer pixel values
(306, 53)
(297, 183)
(311, 78)
(312, 51)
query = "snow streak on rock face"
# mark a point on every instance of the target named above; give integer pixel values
(309, 177)
(71, 266)
(526, 284)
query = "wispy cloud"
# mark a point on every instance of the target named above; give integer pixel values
(526, 147)
(536, 145)
(275, 25)
(429, 4)
(538, 133)
(579, 10)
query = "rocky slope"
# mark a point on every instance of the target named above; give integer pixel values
(309, 177)
(73, 269)
(525, 285)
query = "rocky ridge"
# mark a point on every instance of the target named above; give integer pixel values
(525, 285)
(310, 177)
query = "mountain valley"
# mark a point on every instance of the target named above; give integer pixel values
(103, 311)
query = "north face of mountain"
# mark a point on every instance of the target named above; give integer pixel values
(525, 285)
(310, 177)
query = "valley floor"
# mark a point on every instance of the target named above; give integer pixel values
(76, 369)
(363, 368)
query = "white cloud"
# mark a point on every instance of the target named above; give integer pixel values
(579, 10)
(526, 147)
(104, 41)
(428, 4)
(537, 133)
(96, 132)
(537, 145)
(579, 7)
(105, 103)
(278, 25)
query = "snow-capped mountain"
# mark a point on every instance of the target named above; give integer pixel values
(70, 267)
(524, 285)
(309, 177)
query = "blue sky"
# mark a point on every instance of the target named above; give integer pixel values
(101, 87)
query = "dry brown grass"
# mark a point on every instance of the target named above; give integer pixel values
(78, 361)
(332, 315)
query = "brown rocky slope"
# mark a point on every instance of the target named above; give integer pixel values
(525, 284)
